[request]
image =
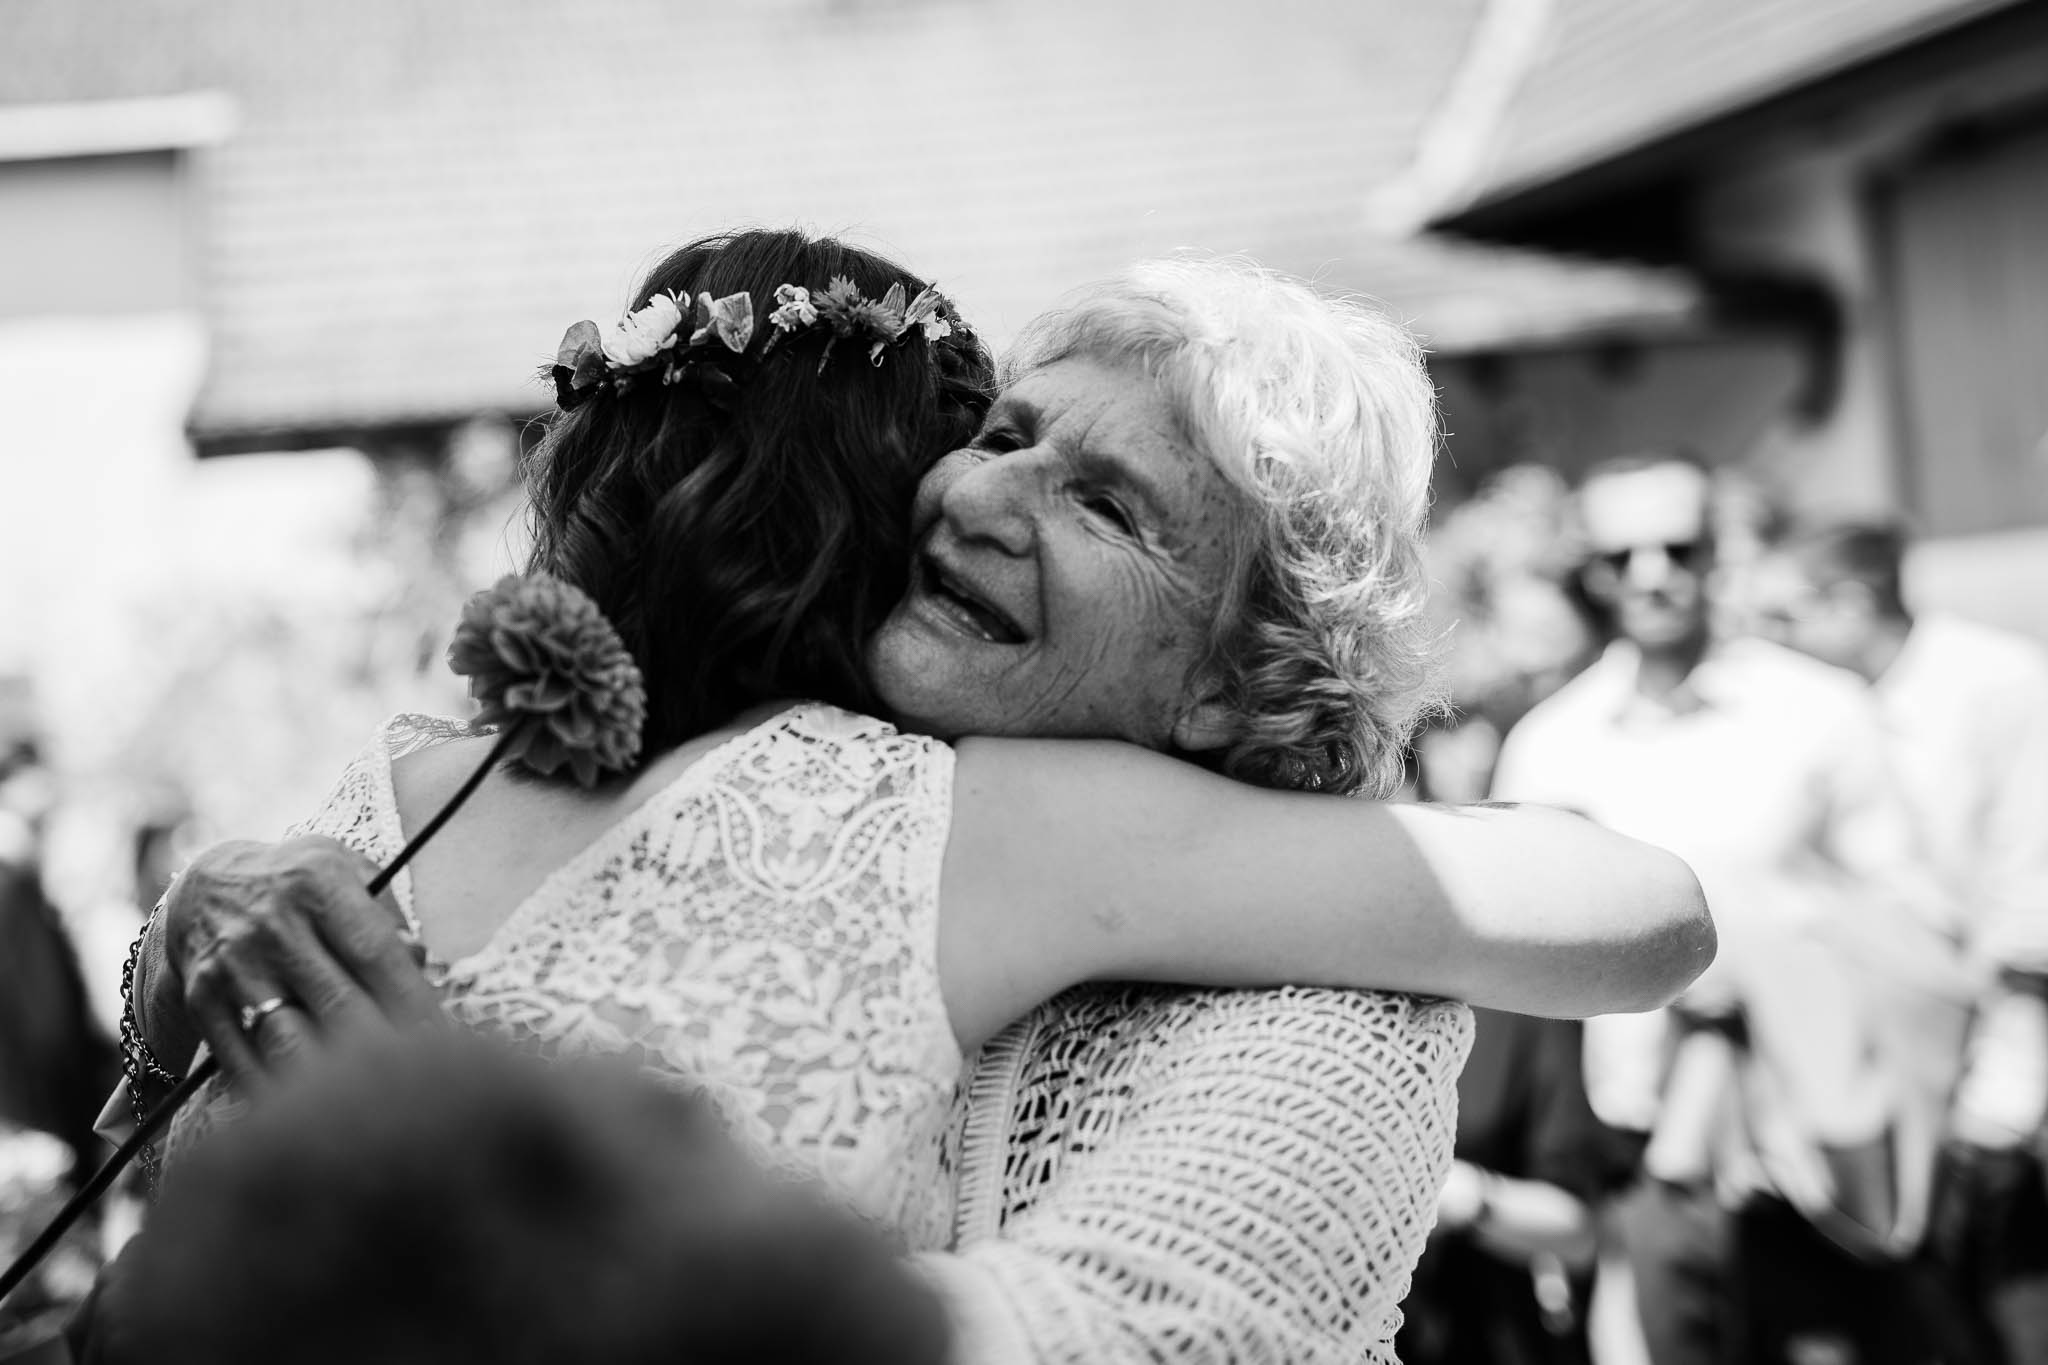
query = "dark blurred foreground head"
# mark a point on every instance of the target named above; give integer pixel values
(448, 1202)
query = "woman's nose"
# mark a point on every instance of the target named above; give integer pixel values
(993, 499)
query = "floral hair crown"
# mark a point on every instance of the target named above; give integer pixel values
(656, 340)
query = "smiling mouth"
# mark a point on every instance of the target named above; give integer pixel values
(960, 605)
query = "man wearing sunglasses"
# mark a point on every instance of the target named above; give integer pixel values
(1776, 1129)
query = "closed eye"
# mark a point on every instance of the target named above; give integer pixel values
(998, 440)
(1112, 511)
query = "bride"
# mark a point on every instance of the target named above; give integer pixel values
(1190, 523)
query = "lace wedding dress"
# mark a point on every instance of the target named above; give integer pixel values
(764, 928)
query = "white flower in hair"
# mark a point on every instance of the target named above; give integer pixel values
(795, 310)
(924, 312)
(644, 334)
(730, 319)
(884, 321)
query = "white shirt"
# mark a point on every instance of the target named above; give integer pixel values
(1965, 710)
(1766, 773)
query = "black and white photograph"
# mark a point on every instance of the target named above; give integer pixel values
(1024, 682)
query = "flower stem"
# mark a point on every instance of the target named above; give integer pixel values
(88, 1194)
(454, 803)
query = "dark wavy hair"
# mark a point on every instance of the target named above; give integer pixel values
(747, 544)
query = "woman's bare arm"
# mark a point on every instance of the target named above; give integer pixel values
(1073, 861)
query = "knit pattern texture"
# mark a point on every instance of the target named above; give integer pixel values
(1156, 1174)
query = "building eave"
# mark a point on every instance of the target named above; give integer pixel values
(1664, 157)
(46, 131)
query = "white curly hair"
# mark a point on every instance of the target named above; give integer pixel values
(1318, 410)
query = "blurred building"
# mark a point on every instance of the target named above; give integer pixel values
(346, 237)
(1859, 191)
(386, 213)
(236, 227)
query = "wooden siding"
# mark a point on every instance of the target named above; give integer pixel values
(1968, 232)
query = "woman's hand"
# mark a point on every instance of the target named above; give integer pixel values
(248, 924)
(1518, 1221)
(1466, 1198)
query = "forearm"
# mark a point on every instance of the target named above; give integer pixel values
(1555, 915)
(1079, 862)
(1525, 1219)
(1529, 910)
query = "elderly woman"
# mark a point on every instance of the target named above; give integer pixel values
(1190, 523)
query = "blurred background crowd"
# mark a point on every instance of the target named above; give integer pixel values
(276, 281)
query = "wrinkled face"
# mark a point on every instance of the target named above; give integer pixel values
(1650, 551)
(1069, 566)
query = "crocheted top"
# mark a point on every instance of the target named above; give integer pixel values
(765, 927)
(1216, 1177)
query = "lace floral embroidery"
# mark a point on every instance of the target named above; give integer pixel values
(765, 928)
